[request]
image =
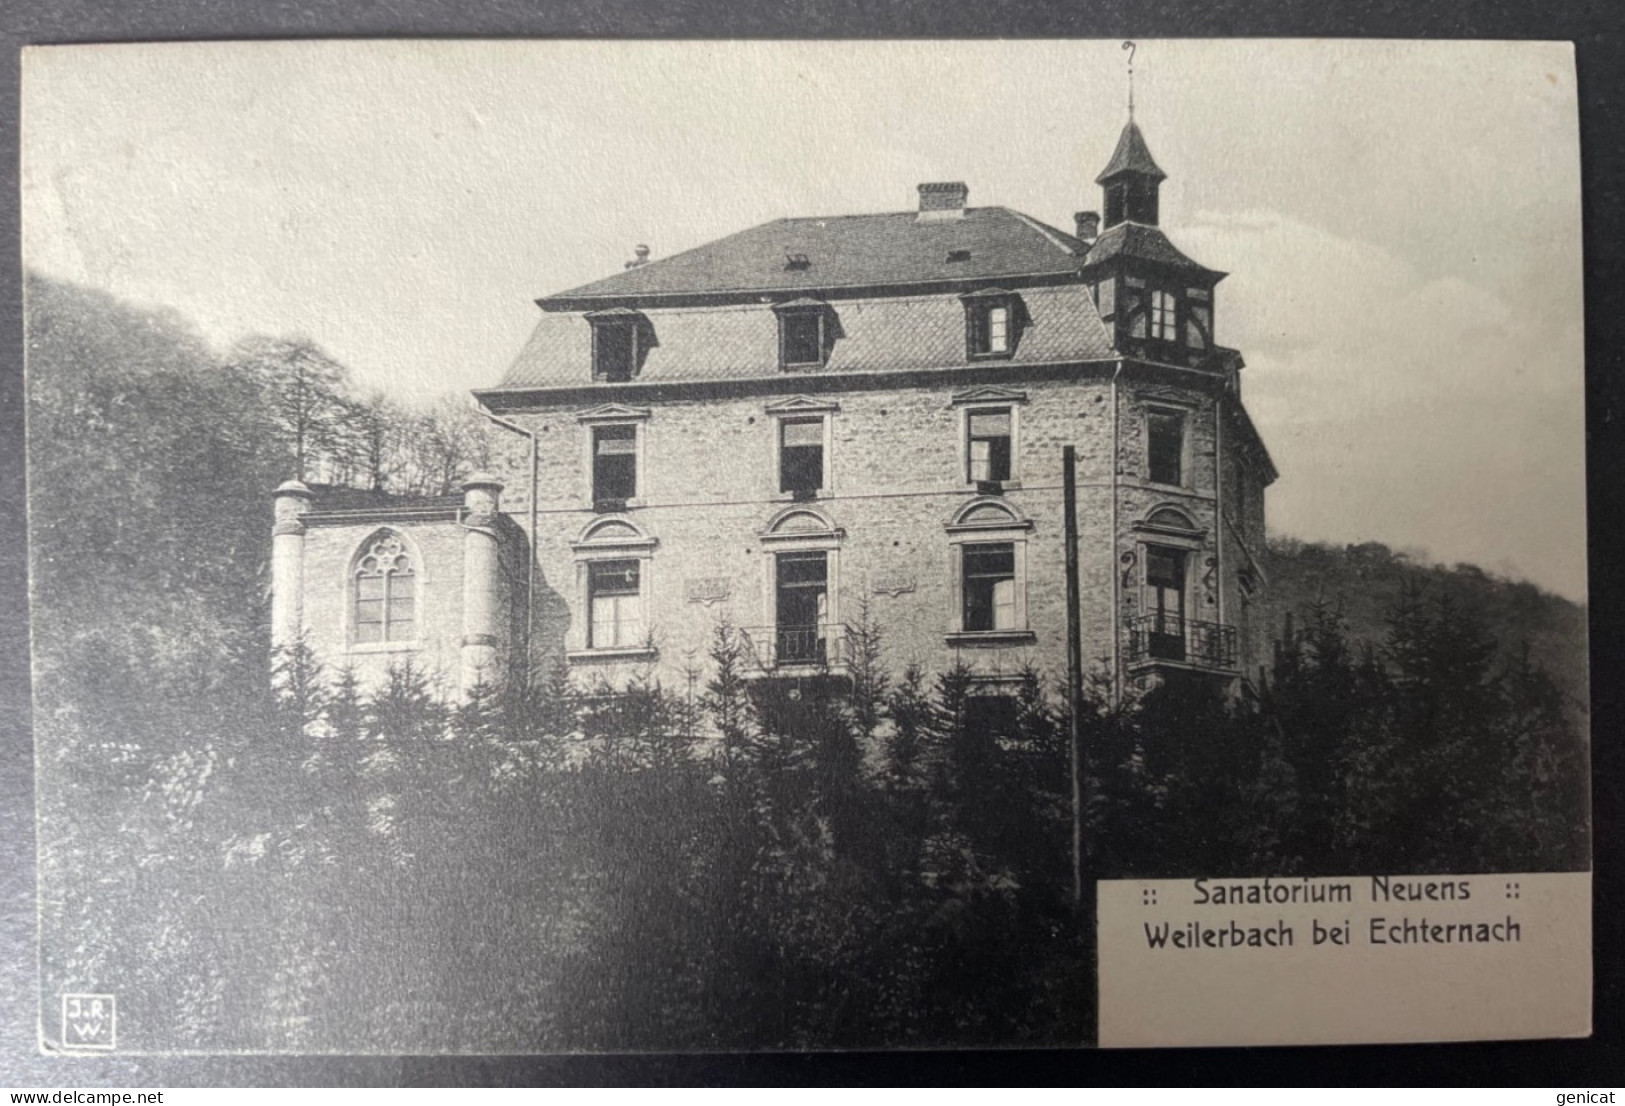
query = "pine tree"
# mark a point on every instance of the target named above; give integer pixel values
(405, 709)
(300, 694)
(346, 711)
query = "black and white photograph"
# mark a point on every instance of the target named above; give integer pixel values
(574, 546)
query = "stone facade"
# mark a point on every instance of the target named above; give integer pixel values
(451, 591)
(913, 381)
(896, 483)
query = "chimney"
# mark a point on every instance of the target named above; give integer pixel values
(642, 257)
(942, 200)
(1088, 225)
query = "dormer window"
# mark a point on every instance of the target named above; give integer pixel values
(796, 261)
(991, 330)
(992, 324)
(806, 334)
(621, 339)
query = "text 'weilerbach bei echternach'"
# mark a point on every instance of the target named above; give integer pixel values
(1407, 924)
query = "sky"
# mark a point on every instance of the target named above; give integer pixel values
(1400, 221)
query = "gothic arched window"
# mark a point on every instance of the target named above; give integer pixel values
(384, 592)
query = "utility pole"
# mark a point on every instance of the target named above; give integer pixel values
(1074, 663)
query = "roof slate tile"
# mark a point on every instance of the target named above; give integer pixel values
(1131, 156)
(847, 251)
(1141, 241)
(879, 335)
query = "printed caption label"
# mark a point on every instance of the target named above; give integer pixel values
(1344, 959)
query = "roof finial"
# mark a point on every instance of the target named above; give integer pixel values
(1130, 47)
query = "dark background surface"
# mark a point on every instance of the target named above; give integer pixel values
(1598, 29)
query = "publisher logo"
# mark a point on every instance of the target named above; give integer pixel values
(89, 1021)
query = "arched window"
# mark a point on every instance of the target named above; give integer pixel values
(384, 592)
(989, 541)
(613, 561)
(803, 551)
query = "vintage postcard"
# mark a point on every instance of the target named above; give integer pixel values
(584, 546)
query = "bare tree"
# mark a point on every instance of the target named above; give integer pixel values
(306, 391)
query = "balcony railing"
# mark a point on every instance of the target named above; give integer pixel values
(1160, 637)
(779, 647)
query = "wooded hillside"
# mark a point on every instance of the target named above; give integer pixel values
(1366, 582)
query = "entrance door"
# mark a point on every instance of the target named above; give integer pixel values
(802, 604)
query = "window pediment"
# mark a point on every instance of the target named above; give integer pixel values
(612, 412)
(1170, 522)
(801, 405)
(989, 393)
(801, 523)
(988, 513)
(612, 533)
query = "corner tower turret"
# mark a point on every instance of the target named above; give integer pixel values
(1157, 302)
(1131, 180)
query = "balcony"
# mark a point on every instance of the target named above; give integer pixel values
(796, 649)
(1180, 642)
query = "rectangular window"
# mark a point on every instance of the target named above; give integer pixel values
(614, 466)
(614, 352)
(801, 338)
(1165, 447)
(990, 331)
(988, 445)
(802, 607)
(1164, 313)
(617, 605)
(801, 456)
(1165, 601)
(989, 587)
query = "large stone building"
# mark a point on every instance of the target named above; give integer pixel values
(818, 416)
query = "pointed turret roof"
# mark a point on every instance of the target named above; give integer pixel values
(1132, 156)
(1145, 244)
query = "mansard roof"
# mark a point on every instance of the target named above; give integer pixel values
(740, 341)
(843, 252)
(1144, 243)
(1131, 156)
